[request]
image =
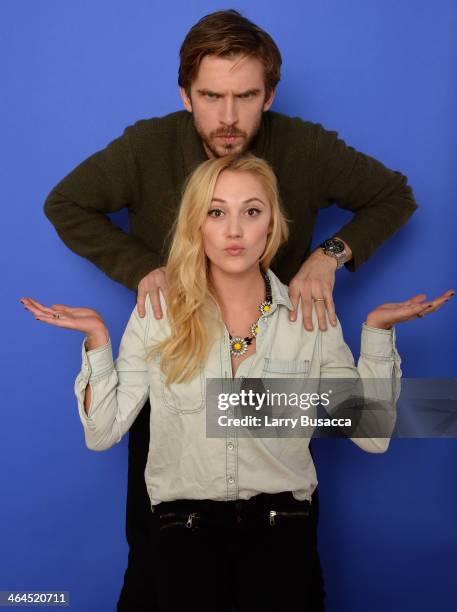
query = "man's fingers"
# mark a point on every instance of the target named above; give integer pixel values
(140, 303)
(307, 308)
(155, 302)
(164, 285)
(330, 305)
(319, 305)
(294, 296)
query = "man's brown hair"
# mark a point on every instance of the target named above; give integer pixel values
(226, 33)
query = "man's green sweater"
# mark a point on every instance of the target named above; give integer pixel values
(144, 170)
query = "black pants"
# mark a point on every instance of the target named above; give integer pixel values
(231, 552)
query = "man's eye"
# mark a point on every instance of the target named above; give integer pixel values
(215, 212)
(249, 94)
(211, 96)
(253, 212)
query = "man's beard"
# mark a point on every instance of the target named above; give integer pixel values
(219, 149)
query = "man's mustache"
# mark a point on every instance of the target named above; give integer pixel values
(228, 132)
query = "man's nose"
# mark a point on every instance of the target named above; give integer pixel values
(229, 111)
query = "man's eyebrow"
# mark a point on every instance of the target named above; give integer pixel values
(253, 90)
(203, 92)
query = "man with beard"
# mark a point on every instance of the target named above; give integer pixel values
(229, 70)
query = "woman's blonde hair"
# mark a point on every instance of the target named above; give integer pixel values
(192, 309)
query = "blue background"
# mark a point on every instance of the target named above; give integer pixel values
(382, 73)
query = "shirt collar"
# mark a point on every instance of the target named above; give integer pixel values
(279, 291)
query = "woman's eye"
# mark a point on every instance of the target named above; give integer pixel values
(215, 212)
(252, 212)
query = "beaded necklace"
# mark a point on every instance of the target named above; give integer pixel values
(239, 345)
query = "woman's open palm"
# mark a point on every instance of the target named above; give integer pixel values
(85, 320)
(387, 315)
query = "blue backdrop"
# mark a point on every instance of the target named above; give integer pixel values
(76, 73)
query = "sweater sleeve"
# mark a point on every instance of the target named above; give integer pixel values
(376, 377)
(118, 389)
(381, 199)
(78, 206)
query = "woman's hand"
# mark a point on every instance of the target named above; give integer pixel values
(84, 320)
(386, 315)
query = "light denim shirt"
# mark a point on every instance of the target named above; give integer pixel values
(183, 463)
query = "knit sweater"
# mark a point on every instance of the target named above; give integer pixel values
(145, 168)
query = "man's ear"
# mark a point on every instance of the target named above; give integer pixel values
(267, 104)
(185, 99)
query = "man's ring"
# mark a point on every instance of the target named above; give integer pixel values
(55, 315)
(318, 299)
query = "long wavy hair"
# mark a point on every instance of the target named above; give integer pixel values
(192, 309)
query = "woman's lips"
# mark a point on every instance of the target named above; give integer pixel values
(234, 250)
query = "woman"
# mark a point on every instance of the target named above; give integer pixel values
(229, 515)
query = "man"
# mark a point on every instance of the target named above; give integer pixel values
(229, 70)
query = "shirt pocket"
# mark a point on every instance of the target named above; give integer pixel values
(184, 398)
(285, 368)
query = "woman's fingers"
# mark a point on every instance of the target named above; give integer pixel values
(416, 299)
(49, 315)
(29, 302)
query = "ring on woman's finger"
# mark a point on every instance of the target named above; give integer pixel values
(318, 299)
(55, 315)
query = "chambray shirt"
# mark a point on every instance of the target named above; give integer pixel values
(183, 463)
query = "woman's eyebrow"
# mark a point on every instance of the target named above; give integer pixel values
(248, 201)
(254, 200)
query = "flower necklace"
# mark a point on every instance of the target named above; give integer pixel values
(239, 345)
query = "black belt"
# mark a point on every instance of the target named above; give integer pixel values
(265, 509)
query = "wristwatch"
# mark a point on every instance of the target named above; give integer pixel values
(334, 247)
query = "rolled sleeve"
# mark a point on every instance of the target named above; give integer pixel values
(99, 361)
(95, 365)
(378, 343)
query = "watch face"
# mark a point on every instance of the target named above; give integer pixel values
(334, 246)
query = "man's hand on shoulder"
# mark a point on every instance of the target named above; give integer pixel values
(313, 284)
(151, 284)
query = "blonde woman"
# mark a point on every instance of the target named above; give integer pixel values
(230, 516)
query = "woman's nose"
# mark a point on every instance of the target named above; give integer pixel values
(234, 228)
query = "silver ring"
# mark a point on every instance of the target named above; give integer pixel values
(55, 315)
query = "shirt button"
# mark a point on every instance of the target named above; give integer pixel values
(231, 480)
(230, 445)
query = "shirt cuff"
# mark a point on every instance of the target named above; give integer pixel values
(378, 343)
(97, 362)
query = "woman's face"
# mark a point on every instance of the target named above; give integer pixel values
(237, 225)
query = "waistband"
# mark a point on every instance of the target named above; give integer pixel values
(263, 501)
